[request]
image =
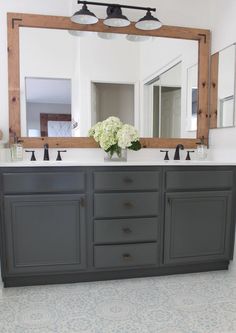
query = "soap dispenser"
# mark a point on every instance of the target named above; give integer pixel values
(201, 152)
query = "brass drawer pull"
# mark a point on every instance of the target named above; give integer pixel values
(127, 230)
(127, 257)
(128, 180)
(128, 205)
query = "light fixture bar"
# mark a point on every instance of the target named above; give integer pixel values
(115, 5)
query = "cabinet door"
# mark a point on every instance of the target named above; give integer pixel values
(44, 233)
(197, 227)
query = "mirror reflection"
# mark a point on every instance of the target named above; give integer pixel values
(166, 103)
(226, 87)
(48, 107)
(151, 84)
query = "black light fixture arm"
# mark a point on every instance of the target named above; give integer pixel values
(115, 5)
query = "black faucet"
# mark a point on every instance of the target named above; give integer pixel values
(178, 147)
(46, 153)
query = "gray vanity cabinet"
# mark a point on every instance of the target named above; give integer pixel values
(197, 227)
(70, 224)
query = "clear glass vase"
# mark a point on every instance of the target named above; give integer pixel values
(118, 156)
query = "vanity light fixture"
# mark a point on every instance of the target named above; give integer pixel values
(115, 17)
(84, 16)
(148, 22)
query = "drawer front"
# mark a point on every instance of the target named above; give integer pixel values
(126, 255)
(177, 180)
(29, 182)
(126, 230)
(126, 180)
(126, 204)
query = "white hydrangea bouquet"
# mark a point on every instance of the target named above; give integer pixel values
(113, 136)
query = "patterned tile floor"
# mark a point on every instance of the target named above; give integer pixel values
(192, 303)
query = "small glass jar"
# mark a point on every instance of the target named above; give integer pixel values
(201, 152)
(16, 152)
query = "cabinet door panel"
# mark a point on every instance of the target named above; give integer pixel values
(44, 233)
(197, 226)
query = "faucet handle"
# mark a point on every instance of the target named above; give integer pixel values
(33, 158)
(188, 154)
(59, 154)
(166, 158)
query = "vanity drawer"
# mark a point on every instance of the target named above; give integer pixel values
(126, 204)
(126, 230)
(126, 180)
(213, 179)
(43, 182)
(125, 255)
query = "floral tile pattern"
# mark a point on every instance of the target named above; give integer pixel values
(191, 303)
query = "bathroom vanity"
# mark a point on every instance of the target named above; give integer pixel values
(84, 223)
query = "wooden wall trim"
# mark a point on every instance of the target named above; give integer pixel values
(214, 90)
(17, 20)
(85, 142)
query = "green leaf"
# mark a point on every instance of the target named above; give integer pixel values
(114, 148)
(136, 145)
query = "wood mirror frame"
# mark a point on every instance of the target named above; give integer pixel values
(214, 90)
(17, 20)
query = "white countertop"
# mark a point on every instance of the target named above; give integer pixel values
(95, 157)
(103, 163)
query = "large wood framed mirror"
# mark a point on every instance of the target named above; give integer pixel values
(168, 100)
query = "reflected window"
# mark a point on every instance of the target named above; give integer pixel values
(226, 112)
(48, 107)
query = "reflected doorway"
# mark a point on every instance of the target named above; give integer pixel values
(166, 112)
(164, 99)
(113, 99)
